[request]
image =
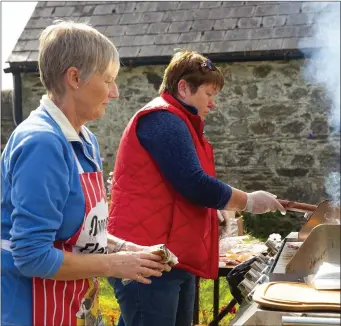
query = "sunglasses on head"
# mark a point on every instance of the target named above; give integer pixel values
(208, 64)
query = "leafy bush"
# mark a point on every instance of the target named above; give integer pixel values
(262, 225)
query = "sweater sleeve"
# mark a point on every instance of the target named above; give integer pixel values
(167, 138)
(40, 181)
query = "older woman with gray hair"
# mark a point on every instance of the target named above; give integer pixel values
(54, 240)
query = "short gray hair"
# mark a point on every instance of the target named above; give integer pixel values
(68, 44)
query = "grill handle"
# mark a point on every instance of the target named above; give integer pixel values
(294, 206)
(309, 321)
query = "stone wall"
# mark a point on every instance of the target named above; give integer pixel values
(269, 130)
(7, 125)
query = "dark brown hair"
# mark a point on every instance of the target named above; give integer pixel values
(192, 67)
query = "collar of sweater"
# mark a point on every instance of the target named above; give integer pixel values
(190, 108)
(191, 111)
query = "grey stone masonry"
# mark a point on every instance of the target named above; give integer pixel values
(266, 24)
(269, 130)
(7, 125)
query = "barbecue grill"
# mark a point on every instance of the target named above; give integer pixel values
(300, 254)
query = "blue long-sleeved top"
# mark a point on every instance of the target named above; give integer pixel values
(167, 139)
(41, 201)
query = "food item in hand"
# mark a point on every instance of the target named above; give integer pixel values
(167, 256)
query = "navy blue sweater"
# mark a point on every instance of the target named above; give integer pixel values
(169, 142)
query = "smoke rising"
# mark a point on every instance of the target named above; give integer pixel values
(324, 68)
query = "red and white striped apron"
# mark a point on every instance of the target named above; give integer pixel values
(73, 303)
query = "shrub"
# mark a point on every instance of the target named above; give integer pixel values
(262, 225)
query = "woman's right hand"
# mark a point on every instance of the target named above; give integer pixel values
(259, 202)
(135, 266)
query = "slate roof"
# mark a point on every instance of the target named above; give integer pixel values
(154, 28)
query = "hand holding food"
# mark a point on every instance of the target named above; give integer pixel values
(166, 259)
(135, 266)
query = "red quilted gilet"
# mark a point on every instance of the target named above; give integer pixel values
(145, 208)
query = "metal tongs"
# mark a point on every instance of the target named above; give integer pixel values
(294, 206)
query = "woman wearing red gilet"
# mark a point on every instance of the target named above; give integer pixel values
(164, 190)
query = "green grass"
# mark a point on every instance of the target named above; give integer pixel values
(109, 305)
(111, 311)
(206, 301)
